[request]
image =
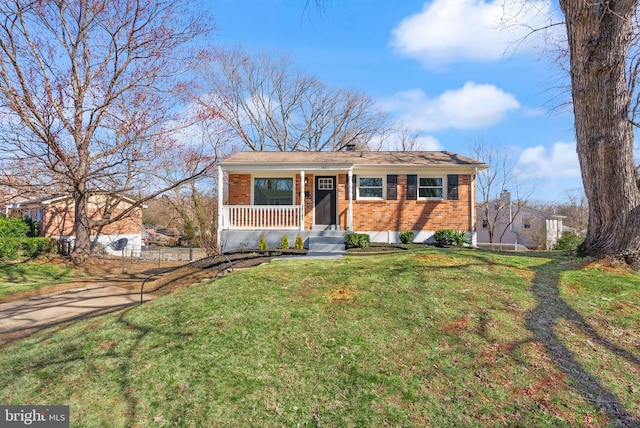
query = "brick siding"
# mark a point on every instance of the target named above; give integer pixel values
(58, 220)
(382, 215)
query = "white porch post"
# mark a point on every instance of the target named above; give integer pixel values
(220, 202)
(349, 188)
(301, 199)
(472, 218)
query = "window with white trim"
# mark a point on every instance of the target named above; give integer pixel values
(273, 191)
(370, 188)
(431, 188)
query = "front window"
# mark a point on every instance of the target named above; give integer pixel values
(273, 191)
(431, 187)
(370, 187)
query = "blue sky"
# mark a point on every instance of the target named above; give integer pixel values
(444, 67)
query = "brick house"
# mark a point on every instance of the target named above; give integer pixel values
(55, 216)
(378, 193)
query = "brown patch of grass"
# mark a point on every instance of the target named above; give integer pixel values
(341, 295)
(457, 325)
(608, 265)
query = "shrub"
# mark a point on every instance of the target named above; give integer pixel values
(14, 248)
(14, 227)
(568, 242)
(299, 242)
(9, 248)
(451, 238)
(33, 226)
(284, 244)
(356, 240)
(406, 236)
(262, 245)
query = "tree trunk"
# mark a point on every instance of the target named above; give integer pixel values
(599, 33)
(82, 229)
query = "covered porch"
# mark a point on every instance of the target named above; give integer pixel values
(276, 201)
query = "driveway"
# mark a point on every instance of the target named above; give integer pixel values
(50, 309)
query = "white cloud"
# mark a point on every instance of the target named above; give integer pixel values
(560, 162)
(474, 106)
(477, 30)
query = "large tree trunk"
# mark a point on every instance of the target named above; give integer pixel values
(599, 33)
(81, 227)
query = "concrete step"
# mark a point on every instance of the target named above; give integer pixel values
(327, 242)
(324, 239)
(325, 255)
(327, 248)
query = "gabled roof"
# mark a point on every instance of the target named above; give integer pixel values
(348, 159)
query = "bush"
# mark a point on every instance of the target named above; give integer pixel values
(33, 226)
(451, 238)
(568, 242)
(406, 236)
(284, 244)
(16, 227)
(262, 245)
(356, 240)
(15, 248)
(299, 242)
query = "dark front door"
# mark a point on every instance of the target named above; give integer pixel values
(325, 208)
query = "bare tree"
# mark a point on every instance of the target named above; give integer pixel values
(195, 203)
(197, 208)
(88, 97)
(575, 208)
(272, 106)
(603, 39)
(496, 186)
(407, 140)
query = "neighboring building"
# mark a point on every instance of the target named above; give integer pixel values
(378, 193)
(55, 218)
(517, 226)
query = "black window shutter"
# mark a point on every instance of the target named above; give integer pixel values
(412, 187)
(392, 187)
(452, 187)
(354, 187)
(351, 187)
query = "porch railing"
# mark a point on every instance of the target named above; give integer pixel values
(262, 217)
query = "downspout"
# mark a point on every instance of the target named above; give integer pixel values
(220, 202)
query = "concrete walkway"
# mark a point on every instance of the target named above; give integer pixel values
(50, 309)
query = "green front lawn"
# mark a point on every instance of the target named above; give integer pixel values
(423, 338)
(19, 277)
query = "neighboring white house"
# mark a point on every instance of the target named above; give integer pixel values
(516, 226)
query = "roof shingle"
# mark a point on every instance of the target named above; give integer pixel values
(431, 158)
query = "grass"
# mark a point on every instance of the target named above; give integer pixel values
(19, 277)
(424, 338)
